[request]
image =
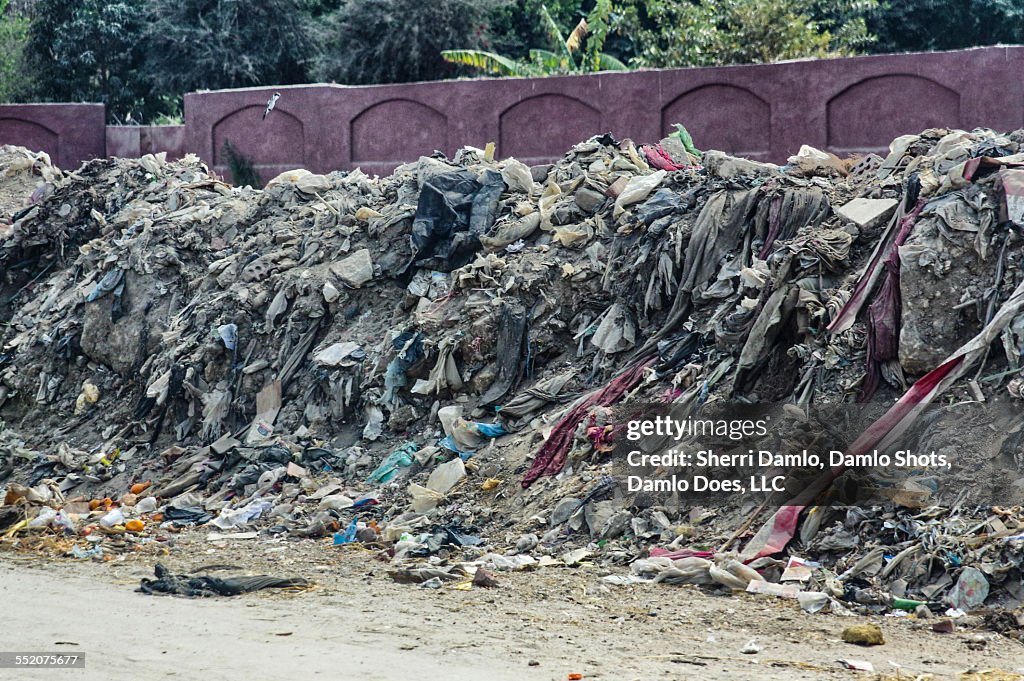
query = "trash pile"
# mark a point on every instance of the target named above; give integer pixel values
(430, 363)
(25, 177)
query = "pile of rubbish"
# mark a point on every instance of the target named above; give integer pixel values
(432, 363)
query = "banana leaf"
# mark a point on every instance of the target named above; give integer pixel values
(485, 61)
(554, 33)
(606, 62)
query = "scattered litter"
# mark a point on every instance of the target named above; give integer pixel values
(206, 586)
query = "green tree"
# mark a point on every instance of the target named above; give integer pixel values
(398, 41)
(89, 51)
(517, 25)
(213, 44)
(846, 21)
(927, 25)
(14, 82)
(673, 33)
(580, 52)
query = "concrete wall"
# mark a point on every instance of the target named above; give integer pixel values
(131, 141)
(764, 112)
(69, 133)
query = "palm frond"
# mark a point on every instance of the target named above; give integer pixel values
(554, 33)
(485, 61)
(576, 37)
(606, 62)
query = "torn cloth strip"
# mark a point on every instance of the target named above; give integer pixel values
(884, 249)
(511, 347)
(883, 337)
(551, 457)
(777, 532)
(658, 158)
(1013, 196)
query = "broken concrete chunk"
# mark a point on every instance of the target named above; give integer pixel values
(331, 292)
(729, 167)
(589, 200)
(867, 213)
(540, 173)
(334, 355)
(356, 269)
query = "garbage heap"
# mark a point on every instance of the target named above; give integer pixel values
(431, 362)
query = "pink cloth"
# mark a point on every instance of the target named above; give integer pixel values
(551, 457)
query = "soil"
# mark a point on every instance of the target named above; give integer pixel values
(356, 623)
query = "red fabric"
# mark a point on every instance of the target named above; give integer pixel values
(657, 157)
(971, 166)
(551, 457)
(775, 534)
(774, 224)
(883, 341)
(883, 337)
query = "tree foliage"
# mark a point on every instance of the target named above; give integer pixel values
(579, 52)
(670, 33)
(88, 51)
(396, 41)
(516, 25)
(140, 56)
(214, 44)
(926, 25)
(14, 81)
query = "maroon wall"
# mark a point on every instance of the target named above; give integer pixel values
(763, 111)
(69, 133)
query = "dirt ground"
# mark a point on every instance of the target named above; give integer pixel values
(356, 623)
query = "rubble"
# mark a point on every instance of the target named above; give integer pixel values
(867, 213)
(429, 364)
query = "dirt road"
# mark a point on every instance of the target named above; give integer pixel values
(358, 624)
(128, 635)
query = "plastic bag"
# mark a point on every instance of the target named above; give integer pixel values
(446, 476)
(388, 469)
(424, 499)
(637, 189)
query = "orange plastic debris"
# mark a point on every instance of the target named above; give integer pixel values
(106, 503)
(575, 677)
(135, 526)
(140, 487)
